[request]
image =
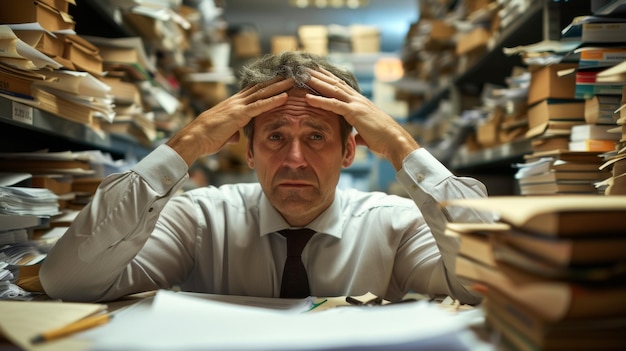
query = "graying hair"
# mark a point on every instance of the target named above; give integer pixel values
(292, 64)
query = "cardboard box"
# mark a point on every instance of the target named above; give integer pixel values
(487, 132)
(546, 84)
(314, 39)
(35, 11)
(364, 39)
(473, 40)
(247, 44)
(284, 43)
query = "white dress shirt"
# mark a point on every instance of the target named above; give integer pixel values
(139, 233)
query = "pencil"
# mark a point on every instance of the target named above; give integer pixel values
(72, 328)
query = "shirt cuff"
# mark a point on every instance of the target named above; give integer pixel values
(421, 170)
(162, 169)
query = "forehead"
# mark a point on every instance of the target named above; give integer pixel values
(297, 112)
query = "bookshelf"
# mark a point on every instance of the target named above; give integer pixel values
(542, 20)
(25, 128)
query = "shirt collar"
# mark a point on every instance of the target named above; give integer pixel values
(329, 222)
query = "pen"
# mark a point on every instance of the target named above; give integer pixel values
(316, 305)
(72, 328)
(351, 300)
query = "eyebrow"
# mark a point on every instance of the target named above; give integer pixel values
(309, 122)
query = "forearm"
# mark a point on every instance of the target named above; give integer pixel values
(94, 253)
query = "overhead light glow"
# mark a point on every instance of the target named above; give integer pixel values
(351, 4)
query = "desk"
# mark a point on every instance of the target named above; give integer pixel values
(169, 320)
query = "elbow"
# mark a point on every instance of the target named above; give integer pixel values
(61, 284)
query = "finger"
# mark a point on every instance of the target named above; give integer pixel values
(330, 85)
(263, 105)
(267, 89)
(329, 104)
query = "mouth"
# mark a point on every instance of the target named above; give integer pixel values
(294, 184)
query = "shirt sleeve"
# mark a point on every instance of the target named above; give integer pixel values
(90, 262)
(428, 182)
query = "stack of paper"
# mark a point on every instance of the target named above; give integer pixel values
(183, 322)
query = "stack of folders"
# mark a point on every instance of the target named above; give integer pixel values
(552, 269)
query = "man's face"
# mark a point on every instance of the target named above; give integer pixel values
(297, 154)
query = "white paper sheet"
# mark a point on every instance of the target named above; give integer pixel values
(183, 322)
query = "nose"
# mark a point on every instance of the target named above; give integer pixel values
(295, 156)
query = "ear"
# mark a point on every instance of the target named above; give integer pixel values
(350, 152)
(250, 155)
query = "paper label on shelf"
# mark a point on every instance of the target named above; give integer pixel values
(22, 113)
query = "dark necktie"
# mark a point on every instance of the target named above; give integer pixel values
(295, 283)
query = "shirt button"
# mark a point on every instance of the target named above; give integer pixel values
(167, 180)
(420, 177)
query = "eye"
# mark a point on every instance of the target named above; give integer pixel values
(275, 137)
(317, 137)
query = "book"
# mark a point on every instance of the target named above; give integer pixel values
(593, 131)
(552, 300)
(486, 244)
(600, 109)
(592, 145)
(17, 82)
(564, 251)
(556, 216)
(591, 56)
(587, 85)
(553, 128)
(604, 32)
(614, 74)
(527, 331)
(556, 109)
(475, 239)
(556, 175)
(539, 144)
(558, 187)
(592, 157)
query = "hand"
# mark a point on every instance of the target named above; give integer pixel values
(376, 129)
(219, 125)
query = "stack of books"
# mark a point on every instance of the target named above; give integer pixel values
(593, 137)
(616, 159)
(558, 171)
(552, 269)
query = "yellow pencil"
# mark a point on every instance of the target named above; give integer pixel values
(72, 328)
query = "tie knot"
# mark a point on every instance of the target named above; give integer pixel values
(296, 240)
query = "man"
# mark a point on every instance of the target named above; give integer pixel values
(298, 112)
